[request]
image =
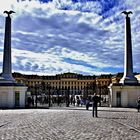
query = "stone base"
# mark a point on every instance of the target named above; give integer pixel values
(128, 80)
(7, 77)
(12, 96)
(123, 95)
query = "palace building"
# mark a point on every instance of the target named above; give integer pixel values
(66, 85)
(75, 83)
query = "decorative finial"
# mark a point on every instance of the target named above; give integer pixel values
(9, 12)
(127, 13)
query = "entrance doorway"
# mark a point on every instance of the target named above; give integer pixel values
(3, 100)
(118, 95)
(17, 99)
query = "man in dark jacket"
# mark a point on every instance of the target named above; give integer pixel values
(95, 100)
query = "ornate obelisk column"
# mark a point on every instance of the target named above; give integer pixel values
(126, 92)
(128, 77)
(12, 93)
(7, 72)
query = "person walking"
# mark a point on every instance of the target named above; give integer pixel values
(138, 103)
(87, 103)
(95, 100)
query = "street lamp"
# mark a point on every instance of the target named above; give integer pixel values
(67, 97)
(58, 90)
(49, 87)
(36, 92)
(99, 87)
(28, 93)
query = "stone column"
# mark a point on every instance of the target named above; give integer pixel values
(128, 77)
(7, 72)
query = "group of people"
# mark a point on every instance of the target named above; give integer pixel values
(95, 100)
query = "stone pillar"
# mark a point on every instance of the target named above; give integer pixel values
(128, 77)
(7, 72)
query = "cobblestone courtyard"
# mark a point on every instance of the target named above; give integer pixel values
(69, 124)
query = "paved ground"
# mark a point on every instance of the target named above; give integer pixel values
(70, 124)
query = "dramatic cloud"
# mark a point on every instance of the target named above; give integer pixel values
(82, 36)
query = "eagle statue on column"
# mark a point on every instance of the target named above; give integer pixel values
(9, 12)
(127, 13)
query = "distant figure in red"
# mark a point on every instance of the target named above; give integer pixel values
(95, 100)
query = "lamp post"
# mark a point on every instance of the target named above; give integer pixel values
(87, 88)
(58, 95)
(36, 92)
(28, 93)
(100, 93)
(67, 97)
(49, 94)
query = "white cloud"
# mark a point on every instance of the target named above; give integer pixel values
(48, 39)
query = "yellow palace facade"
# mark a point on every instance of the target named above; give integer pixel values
(75, 83)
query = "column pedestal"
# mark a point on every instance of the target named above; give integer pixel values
(123, 95)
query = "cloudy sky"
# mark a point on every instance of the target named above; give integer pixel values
(81, 36)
